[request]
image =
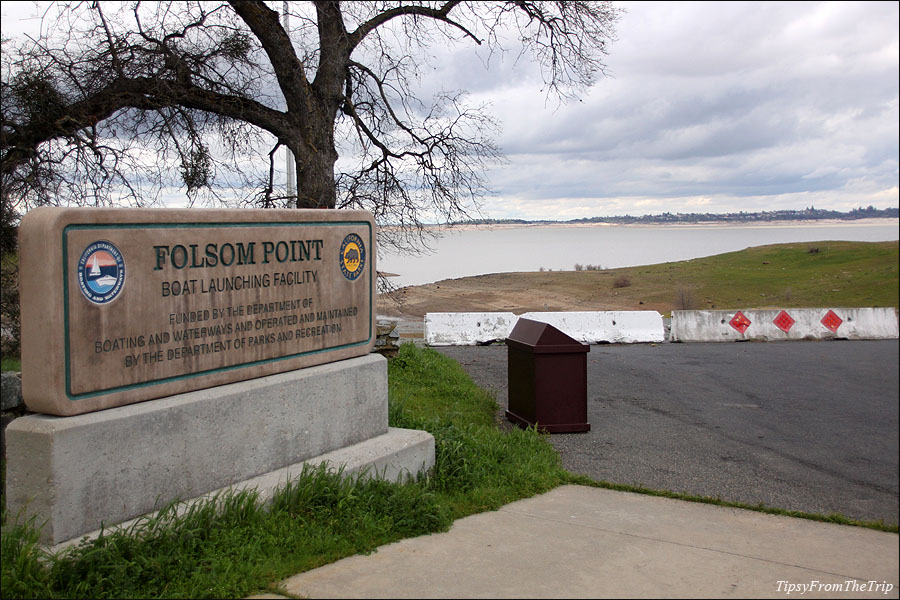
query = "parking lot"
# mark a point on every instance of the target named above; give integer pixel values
(810, 426)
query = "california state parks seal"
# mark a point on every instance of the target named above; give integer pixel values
(101, 272)
(353, 256)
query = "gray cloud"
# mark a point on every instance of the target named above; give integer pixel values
(714, 104)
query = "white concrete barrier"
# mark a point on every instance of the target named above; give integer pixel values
(786, 324)
(590, 327)
(614, 326)
(467, 329)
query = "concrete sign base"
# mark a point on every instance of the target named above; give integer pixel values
(77, 473)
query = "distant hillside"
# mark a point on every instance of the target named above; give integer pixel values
(807, 274)
(809, 214)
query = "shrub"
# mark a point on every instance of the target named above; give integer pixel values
(684, 299)
(621, 281)
(10, 338)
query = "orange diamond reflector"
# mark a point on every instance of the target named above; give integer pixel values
(832, 321)
(740, 322)
(784, 321)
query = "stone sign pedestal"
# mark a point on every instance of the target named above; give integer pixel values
(78, 473)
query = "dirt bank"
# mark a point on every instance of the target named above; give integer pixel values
(521, 292)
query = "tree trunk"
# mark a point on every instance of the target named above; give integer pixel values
(315, 162)
(311, 139)
(315, 173)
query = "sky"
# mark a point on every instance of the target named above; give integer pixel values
(708, 107)
(713, 107)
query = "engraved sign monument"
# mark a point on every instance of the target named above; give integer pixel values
(120, 306)
(179, 353)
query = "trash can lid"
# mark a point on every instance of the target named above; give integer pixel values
(542, 338)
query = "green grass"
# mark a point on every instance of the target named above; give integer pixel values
(834, 274)
(227, 548)
(233, 547)
(477, 467)
(846, 274)
(10, 364)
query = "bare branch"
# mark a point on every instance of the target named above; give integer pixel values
(288, 69)
(131, 103)
(380, 19)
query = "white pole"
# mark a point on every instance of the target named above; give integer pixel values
(290, 166)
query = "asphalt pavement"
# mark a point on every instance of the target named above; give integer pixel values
(809, 426)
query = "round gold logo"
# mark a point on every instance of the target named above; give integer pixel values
(353, 256)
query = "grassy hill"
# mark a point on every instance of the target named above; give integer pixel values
(808, 274)
(849, 274)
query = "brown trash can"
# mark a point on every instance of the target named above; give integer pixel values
(547, 379)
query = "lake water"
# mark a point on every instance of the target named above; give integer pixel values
(461, 253)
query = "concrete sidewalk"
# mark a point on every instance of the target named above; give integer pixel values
(582, 542)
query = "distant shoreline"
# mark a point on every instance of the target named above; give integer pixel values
(664, 287)
(479, 249)
(673, 225)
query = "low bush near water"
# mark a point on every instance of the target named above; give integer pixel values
(579, 267)
(621, 282)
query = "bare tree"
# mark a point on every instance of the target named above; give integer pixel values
(102, 105)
